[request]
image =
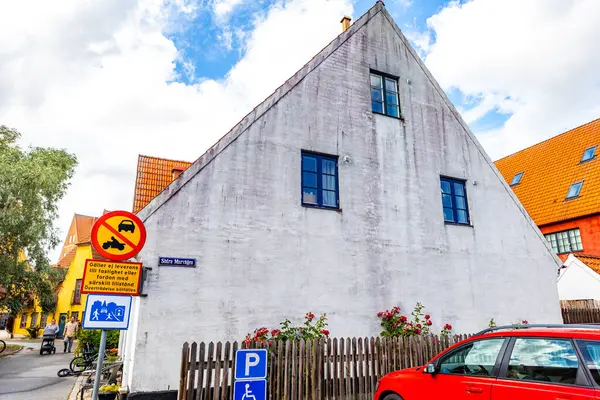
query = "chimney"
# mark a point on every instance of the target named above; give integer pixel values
(345, 23)
(176, 172)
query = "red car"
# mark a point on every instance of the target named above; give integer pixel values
(529, 362)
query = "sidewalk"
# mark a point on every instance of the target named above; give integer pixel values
(26, 343)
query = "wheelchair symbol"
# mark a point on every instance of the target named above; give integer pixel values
(248, 393)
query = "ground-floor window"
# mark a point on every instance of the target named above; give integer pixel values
(23, 321)
(34, 318)
(44, 320)
(4, 320)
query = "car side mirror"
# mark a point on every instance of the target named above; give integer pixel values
(430, 369)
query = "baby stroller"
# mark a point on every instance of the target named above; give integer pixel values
(48, 342)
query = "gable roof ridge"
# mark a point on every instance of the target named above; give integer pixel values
(257, 112)
(163, 159)
(549, 139)
(470, 134)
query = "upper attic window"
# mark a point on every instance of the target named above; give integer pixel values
(384, 95)
(574, 190)
(516, 179)
(588, 154)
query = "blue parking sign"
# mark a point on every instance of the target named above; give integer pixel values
(251, 364)
(250, 390)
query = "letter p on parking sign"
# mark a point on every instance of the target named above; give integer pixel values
(251, 364)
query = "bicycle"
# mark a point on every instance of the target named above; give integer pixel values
(87, 361)
(2, 345)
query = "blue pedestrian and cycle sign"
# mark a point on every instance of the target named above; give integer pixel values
(107, 311)
(250, 375)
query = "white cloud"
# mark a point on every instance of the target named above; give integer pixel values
(536, 59)
(96, 78)
(224, 7)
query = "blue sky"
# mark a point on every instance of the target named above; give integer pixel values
(209, 46)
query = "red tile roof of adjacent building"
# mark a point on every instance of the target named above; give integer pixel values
(153, 176)
(550, 168)
(591, 261)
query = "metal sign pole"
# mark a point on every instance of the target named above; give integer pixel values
(99, 366)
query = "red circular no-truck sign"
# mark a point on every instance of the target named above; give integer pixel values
(118, 235)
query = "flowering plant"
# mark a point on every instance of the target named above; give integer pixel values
(313, 328)
(395, 324)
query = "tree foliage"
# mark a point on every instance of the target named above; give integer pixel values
(32, 182)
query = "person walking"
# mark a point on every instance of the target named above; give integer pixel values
(69, 334)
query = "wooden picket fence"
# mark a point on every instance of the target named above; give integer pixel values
(581, 315)
(318, 369)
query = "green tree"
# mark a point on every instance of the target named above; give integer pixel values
(32, 182)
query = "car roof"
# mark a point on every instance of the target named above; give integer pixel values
(562, 331)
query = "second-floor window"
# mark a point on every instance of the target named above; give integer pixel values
(565, 241)
(384, 95)
(454, 201)
(319, 181)
(77, 292)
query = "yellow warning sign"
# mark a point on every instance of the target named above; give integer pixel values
(118, 235)
(111, 277)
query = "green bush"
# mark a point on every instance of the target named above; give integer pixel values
(92, 338)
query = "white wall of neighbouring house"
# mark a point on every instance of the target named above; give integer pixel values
(577, 281)
(262, 257)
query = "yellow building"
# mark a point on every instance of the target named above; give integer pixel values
(70, 301)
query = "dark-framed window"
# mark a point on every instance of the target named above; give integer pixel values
(565, 241)
(77, 292)
(23, 321)
(589, 154)
(574, 190)
(34, 320)
(320, 187)
(76, 315)
(516, 179)
(44, 320)
(454, 201)
(477, 358)
(384, 95)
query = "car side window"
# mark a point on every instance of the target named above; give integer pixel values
(475, 358)
(590, 349)
(543, 360)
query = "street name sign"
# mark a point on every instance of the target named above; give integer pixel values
(107, 312)
(111, 277)
(176, 262)
(118, 235)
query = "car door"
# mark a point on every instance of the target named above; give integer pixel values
(542, 369)
(467, 372)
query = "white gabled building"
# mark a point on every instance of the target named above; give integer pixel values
(354, 187)
(578, 280)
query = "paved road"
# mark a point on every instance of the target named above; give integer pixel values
(27, 375)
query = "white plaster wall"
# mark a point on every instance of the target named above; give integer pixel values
(578, 282)
(262, 257)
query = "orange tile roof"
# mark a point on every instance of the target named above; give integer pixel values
(65, 261)
(83, 225)
(549, 168)
(153, 175)
(591, 261)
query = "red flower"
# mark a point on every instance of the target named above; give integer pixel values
(403, 319)
(379, 314)
(418, 331)
(309, 316)
(525, 322)
(396, 310)
(325, 332)
(428, 323)
(275, 332)
(419, 326)
(448, 327)
(427, 316)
